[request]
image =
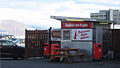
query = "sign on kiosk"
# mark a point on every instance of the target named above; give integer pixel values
(76, 25)
(81, 34)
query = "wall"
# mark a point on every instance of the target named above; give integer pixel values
(84, 45)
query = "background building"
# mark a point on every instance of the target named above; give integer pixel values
(110, 15)
(2, 32)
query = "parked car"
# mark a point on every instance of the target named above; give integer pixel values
(7, 37)
(20, 42)
(10, 49)
(13, 39)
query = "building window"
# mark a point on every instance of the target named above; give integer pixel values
(101, 15)
(66, 34)
(96, 16)
(105, 15)
(115, 18)
(115, 15)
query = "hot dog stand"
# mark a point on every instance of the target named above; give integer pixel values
(83, 33)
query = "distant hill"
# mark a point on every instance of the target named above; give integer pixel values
(38, 27)
(13, 27)
(35, 26)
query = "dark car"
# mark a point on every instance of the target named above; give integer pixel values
(10, 49)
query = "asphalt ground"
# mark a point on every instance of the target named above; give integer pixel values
(45, 63)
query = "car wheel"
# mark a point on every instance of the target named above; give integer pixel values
(15, 58)
(22, 58)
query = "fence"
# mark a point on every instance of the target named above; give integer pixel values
(111, 42)
(34, 42)
(116, 42)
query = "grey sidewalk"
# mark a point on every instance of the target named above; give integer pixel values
(40, 63)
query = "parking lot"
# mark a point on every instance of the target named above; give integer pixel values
(42, 63)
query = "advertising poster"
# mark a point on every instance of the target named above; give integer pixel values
(82, 34)
(56, 35)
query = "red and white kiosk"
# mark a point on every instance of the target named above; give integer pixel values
(82, 33)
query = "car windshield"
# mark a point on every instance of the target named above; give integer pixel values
(17, 41)
(20, 40)
(7, 43)
(13, 39)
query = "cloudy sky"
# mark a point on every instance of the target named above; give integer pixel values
(38, 12)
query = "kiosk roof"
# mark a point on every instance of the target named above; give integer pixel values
(62, 18)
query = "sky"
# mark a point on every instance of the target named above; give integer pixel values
(38, 12)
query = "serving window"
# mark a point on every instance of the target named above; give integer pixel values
(66, 34)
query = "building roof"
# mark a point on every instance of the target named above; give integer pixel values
(62, 18)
